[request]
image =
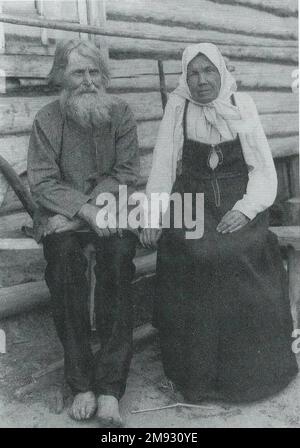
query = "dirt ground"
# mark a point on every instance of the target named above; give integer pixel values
(32, 345)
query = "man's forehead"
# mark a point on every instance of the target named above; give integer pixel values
(78, 60)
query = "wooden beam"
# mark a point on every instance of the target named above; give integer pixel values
(2, 35)
(288, 236)
(17, 112)
(204, 14)
(20, 298)
(274, 27)
(82, 17)
(142, 74)
(287, 9)
(41, 10)
(97, 17)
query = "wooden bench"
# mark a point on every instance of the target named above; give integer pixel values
(145, 261)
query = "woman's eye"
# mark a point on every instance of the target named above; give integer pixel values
(94, 72)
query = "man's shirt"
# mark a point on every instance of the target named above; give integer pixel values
(69, 166)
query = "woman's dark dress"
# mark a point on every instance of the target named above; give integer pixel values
(222, 305)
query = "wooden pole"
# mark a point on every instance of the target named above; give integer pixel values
(15, 182)
(82, 16)
(41, 10)
(66, 26)
(2, 35)
(96, 10)
(162, 85)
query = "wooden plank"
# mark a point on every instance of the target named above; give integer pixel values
(251, 50)
(279, 125)
(82, 17)
(24, 297)
(204, 14)
(288, 235)
(2, 34)
(40, 5)
(124, 47)
(293, 167)
(199, 35)
(270, 48)
(17, 113)
(283, 190)
(287, 9)
(285, 146)
(237, 17)
(142, 74)
(10, 226)
(22, 7)
(97, 17)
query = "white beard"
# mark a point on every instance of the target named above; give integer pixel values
(89, 110)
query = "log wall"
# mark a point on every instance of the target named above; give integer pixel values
(258, 37)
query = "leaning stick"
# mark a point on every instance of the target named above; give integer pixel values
(15, 182)
(175, 405)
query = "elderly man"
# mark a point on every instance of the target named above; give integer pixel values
(81, 145)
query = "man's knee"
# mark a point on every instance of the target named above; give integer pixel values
(63, 248)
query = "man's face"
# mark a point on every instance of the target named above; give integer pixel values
(82, 75)
(203, 79)
(83, 96)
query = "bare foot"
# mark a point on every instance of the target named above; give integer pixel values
(108, 411)
(84, 406)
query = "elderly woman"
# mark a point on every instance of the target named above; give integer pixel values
(222, 307)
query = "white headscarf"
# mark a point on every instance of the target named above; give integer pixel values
(220, 115)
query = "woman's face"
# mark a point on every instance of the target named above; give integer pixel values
(203, 79)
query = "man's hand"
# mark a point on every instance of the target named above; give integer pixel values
(88, 213)
(59, 224)
(232, 221)
(149, 238)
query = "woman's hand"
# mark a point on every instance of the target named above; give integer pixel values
(149, 238)
(232, 221)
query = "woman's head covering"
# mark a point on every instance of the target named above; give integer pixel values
(219, 112)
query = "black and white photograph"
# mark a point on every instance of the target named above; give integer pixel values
(149, 216)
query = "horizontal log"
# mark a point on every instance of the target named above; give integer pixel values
(141, 75)
(17, 299)
(204, 14)
(35, 66)
(11, 225)
(199, 35)
(287, 9)
(122, 47)
(288, 235)
(17, 113)
(285, 146)
(277, 125)
(20, 298)
(272, 50)
(30, 42)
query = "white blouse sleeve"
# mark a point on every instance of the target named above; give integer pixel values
(161, 176)
(262, 184)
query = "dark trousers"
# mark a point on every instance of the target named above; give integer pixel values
(106, 372)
